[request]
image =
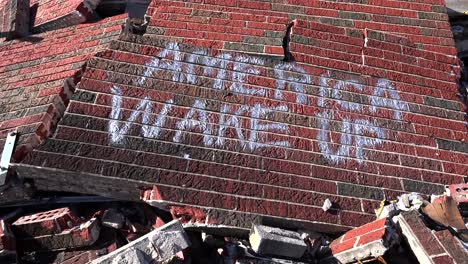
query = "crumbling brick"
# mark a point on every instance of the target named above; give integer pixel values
(45, 223)
(84, 234)
(7, 238)
(368, 241)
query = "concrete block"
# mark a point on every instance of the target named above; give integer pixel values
(160, 245)
(267, 240)
(113, 219)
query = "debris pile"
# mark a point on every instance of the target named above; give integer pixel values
(86, 230)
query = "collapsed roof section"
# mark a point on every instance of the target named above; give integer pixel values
(203, 107)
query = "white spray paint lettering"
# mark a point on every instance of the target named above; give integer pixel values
(355, 135)
(354, 132)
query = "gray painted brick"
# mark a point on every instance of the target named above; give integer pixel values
(337, 22)
(422, 187)
(360, 191)
(452, 145)
(441, 103)
(243, 47)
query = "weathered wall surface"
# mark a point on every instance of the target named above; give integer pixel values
(37, 75)
(202, 108)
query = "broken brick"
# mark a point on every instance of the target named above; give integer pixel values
(368, 241)
(82, 235)
(452, 245)
(108, 241)
(420, 238)
(7, 239)
(45, 223)
(7, 244)
(188, 214)
(153, 197)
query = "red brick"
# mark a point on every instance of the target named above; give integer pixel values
(337, 247)
(297, 178)
(442, 260)
(7, 238)
(367, 228)
(46, 223)
(417, 230)
(376, 235)
(78, 236)
(452, 246)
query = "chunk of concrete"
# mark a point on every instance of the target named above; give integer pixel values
(113, 219)
(267, 240)
(160, 245)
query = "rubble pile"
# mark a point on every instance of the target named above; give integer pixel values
(412, 229)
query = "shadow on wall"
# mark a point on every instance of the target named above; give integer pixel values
(104, 10)
(463, 87)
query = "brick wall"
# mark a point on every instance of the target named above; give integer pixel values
(204, 108)
(47, 10)
(38, 73)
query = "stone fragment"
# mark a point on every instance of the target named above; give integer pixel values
(113, 218)
(267, 240)
(327, 205)
(365, 242)
(159, 245)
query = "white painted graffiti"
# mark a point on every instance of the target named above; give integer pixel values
(230, 72)
(354, 132)
(197, 119)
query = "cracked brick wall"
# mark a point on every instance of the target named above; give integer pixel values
(203, 107)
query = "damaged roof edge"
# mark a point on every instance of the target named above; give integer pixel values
(47, 179)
